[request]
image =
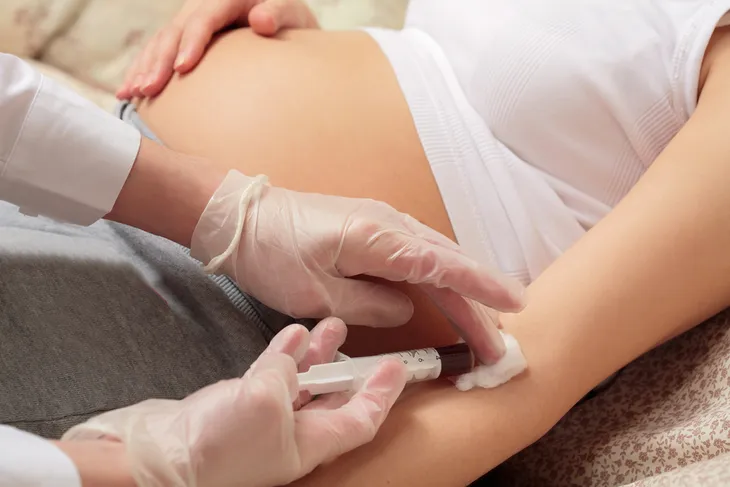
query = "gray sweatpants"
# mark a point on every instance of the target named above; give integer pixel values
(98, 318)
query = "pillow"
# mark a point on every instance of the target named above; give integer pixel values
(27, 26)
(349, 14)
(107, 34)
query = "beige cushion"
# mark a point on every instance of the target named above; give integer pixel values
(99, 46)
(101, 43)
(26, 26)
(349, 14)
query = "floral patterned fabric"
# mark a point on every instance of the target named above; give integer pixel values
(664, 421)
(714, 472)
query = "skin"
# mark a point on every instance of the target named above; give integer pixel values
(307, 132)
(166, 192)
(302, 110)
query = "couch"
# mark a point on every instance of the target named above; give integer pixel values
(664, 421)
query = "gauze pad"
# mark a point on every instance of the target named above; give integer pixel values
(488, 376)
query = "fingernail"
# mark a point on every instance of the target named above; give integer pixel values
(292, 340)
(335, 333)
(493, 350)
(282, 339)
(180, 61)
(518, 295)
(388, 379)
(137, 85)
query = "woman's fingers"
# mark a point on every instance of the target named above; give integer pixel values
(202, 24)
(161, 70)
(269, 17)
(146, 61)
(125, 92)
(181, 46)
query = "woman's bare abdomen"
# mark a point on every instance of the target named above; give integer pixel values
(316, 111)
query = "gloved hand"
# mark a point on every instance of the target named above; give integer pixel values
(298, 253)
(249, 432)
(179, 46)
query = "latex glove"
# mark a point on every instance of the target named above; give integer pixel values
(249, 431)
(179, 46)
(298, 253)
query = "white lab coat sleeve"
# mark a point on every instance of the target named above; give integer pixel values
(61, 156)
(27, 460)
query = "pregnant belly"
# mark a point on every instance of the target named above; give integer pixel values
(316, 111)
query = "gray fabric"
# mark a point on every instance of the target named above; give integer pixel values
(98, 318)
(266, 318)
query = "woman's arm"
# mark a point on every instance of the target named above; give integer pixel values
(656, 266)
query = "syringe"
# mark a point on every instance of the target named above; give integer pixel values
(422, 364)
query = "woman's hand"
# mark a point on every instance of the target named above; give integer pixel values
(302, 254)
(179, 46)
(253, 431)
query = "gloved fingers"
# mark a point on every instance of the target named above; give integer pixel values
(325, 434)
(324, 341)
(400, 256)
(272, 383)
(329, 401)
(361, 302)
(271, 16)
(477, 324)
(429, 234)
(425, 263)
(292, 340)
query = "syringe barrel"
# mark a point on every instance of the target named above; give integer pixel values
(456, 359)
(422, 364)
(427, 363)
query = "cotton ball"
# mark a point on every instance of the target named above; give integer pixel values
(488, 376)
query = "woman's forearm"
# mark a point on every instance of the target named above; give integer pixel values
(656, 266)
(438, 436)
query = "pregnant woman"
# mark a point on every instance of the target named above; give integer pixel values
(580, 146)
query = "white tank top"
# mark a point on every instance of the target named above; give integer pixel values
(584, 93)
